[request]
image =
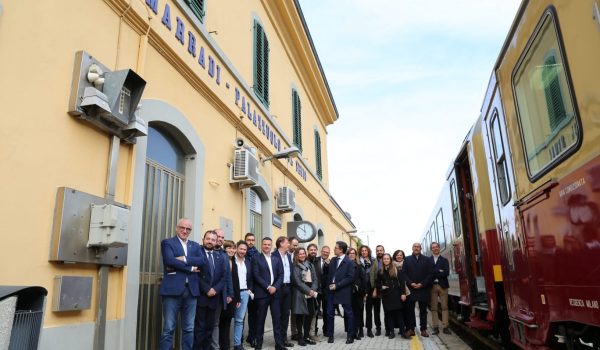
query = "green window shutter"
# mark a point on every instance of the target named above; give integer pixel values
(318, 155)
(197, 7)
(261, 64)
(297, 119)
(552, 91)
(258, 65)
(265, 68)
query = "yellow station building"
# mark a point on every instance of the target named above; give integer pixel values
(121, 116)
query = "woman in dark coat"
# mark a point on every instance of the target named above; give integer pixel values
(303, 295)
(392, 288)
(359, 290)
(229, 311)
(398, 260)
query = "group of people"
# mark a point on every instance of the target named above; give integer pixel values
(209, 285)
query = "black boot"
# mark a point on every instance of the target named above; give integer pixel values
(391, 335)
(370, 333)
(360, 333)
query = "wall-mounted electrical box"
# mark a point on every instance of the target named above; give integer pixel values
(108, 226)
(72, 293)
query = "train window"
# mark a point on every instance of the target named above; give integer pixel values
(455, 214)
(439, 220)
(434, 234)
(500, 159)
(545, 102)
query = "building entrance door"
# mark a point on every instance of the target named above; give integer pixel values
(163, 206)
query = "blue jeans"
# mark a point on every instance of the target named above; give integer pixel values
(240, 313)
(172, 305)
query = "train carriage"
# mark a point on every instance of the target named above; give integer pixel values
(540, 129)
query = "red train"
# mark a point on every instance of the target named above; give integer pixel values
(519, 216)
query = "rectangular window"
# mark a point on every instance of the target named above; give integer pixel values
(500, 159)
(318, 155)
(439, 220)
(297, 119)
(455, 213)
(261, 64)
(545, 103)
(197, 7)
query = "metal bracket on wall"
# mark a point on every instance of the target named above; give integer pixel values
(70, 231)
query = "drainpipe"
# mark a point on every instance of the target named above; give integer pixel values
(104, 270)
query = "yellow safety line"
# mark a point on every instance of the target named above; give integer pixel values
(415, 343)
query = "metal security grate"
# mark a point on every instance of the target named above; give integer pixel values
(26, 330)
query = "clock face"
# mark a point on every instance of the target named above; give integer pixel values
(304, 232)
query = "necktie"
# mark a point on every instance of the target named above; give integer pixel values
(211, 262)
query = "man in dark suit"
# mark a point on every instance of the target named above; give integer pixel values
(179, 288)
(340, 279)
(439, 289)
(267, 272)
(322, 264)
(418, 271)
(213, 291)
(218, 248)
(282, 245)
(250, 239)
(312, 257)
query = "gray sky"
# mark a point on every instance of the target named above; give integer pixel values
(408, 78)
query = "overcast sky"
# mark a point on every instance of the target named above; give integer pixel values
(408, 78)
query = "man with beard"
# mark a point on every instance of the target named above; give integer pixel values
(322, 268)
(213, 289)
(312, 257)
(376, 300)
(250, 239)
(228, 283)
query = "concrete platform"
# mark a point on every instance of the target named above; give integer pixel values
(433, 342)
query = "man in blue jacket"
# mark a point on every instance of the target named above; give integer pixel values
(340, 278)
(439, 289)
(213, 291)
(179, 288)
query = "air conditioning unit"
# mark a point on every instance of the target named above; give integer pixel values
(244, 170)
(286, 201)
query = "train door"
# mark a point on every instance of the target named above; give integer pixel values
(515, 246)
(466, 250)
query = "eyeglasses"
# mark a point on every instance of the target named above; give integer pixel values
(188, 229)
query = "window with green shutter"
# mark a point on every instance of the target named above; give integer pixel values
(261, 64)
(197, 7)
(554, 96)
(297, 119)
(318, 155)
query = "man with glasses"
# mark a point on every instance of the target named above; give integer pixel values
(180, 287)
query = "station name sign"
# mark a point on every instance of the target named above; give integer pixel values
(213, 68)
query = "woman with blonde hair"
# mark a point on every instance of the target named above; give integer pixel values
(392, 288)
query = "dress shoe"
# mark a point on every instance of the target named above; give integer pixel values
(287, 344)
(424, 333)
(294, 336)
(310, 341)
(378, 332)
(350, 340)
(315, 338)
(436, 331)
(360, 333)
(258, 346)
(446, 330)
(411, 332)
(330, 340)
(301, 342)
(405, 335)
(391, 335)
(369, 333)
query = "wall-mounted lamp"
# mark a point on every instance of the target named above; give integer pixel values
(286, 153)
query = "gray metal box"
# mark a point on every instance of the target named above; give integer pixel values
(70, 233)
(72, 293)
